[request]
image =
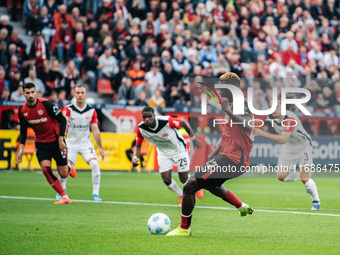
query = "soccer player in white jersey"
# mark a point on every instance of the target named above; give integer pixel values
(171, 148)
(296, 151)
(80, 118)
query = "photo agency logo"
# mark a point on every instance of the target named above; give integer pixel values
(240, 103)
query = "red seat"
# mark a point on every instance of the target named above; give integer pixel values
(104, 87)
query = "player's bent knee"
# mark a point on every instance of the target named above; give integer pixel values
(167, 181)
(190, 187)
(304, 180)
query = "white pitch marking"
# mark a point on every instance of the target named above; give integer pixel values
(168, 205)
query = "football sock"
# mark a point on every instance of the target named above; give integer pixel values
(95, 176)
(312, 190)
(174, 187)
(292, 176)
(66, 196)
(185, 221)
(63, 182)
(232, 199)
(53, 180)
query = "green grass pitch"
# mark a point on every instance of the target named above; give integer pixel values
(40, 227)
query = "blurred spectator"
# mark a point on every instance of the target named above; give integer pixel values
(4, 56)
(32, 77)
(157, 101)
(16, 81)
(40, 50)
(333, 129)
(55, 76)
(4, 23)
(4, 96)
(61, 16)
(126, 92)
(14, 39)
(4, 35)
(61, 41)
(12, 67)
(137, 75)
(62, 97)
(134, 49)
(169, 75)
(221, 66)
(53, 97)
(18, 95)
(71, 76)
(179, 61)
(259, 101)
(78, 50)
(52, 7)
(90, 64)
(107, 65)
(46, 24)
(154, 80)
(77, 4)
(3, 82)
(31, 14)
(196, 27)
(141, 101)
(8, 121)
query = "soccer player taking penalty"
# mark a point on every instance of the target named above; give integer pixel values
(49, 127)
(80, 118)
(232, 153)
(296, 150)
(171, 148)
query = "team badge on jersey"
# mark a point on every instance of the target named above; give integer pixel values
(41, 112)
(165, 136)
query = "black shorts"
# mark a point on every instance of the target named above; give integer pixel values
(47, 151)
(216, 171)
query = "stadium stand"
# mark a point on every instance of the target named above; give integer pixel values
(163, 45)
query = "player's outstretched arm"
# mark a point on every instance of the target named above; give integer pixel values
(96, 136)
(282, 138)
(240, 121)
(23, 135)
(136, 155)
(197, 144)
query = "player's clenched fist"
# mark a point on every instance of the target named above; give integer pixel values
(135, 161)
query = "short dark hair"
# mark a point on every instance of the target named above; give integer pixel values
(28, 85)
(148, 109)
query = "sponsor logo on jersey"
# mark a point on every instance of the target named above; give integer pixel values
(165, 136)
(25, 114)
(41, 112)
(80, 126)
(44, 119)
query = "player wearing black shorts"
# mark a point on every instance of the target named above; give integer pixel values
(224, 163)
(49, 127)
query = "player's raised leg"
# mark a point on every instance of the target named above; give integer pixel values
(54, 181)
(172, 184)
(311, 188)
(229, 197)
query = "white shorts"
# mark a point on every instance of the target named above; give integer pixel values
(85, 150)
(296, 159)
(180, 160)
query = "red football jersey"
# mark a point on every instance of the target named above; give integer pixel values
(44, 118)
(236, 143)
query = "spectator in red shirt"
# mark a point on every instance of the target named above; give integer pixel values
(77, 50)
(62, 15)
(61, 41)
(290, 54)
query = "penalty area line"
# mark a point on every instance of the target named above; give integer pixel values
(168, 205)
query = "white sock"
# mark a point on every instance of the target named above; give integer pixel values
(242, 207)
(292, 176)
(312, 190)
(66, 196)
(174, 187)
(95, 176)
(63, 182)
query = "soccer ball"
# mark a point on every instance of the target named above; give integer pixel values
(159, 224)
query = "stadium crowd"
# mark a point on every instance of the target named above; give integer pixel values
(151, 51)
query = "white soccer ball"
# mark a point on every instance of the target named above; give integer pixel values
(159, 224)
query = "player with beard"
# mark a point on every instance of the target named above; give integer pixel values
(49, 127)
